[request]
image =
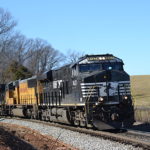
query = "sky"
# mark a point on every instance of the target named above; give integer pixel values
(118, 27)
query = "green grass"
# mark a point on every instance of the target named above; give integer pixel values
(140, 87)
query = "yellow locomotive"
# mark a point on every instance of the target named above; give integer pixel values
(22, 96)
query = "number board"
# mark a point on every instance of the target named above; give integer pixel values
(100, 58)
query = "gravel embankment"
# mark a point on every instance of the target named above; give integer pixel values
(78, 140)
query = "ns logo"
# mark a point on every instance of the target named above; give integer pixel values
(110, 88)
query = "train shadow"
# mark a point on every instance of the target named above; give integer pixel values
(141, 127)
(8, 139)
(116, 130)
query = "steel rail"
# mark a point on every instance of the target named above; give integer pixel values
(137, 132)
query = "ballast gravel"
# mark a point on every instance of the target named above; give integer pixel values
(78, 140)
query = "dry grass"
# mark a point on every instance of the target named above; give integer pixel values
(142, 114)
(140, 87)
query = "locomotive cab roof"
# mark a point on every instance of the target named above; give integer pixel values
(97, 59)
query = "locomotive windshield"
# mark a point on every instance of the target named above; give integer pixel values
(102, 66)
(89, 67)
(112, 66)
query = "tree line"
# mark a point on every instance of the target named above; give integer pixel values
(21, 57)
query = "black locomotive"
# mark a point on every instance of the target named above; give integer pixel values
(95, 91)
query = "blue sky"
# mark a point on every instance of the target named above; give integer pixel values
(120, 27)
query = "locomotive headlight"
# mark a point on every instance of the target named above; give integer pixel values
(101, 99)
(96, 103)
(125, 97)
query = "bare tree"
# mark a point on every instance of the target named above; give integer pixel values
(73, 56)
(7, 25)
(44, 57)
(21, 48)
(14, 48)
(6, 22)
(37, 55)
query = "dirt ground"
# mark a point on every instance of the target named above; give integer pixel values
(14, 137)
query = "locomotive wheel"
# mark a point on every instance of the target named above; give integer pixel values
(79, 119)
(83, 123)
(76, 122)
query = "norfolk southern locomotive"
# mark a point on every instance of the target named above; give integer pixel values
(93, 92)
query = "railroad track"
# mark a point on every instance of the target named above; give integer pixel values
(129, 137)
(137, 132)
